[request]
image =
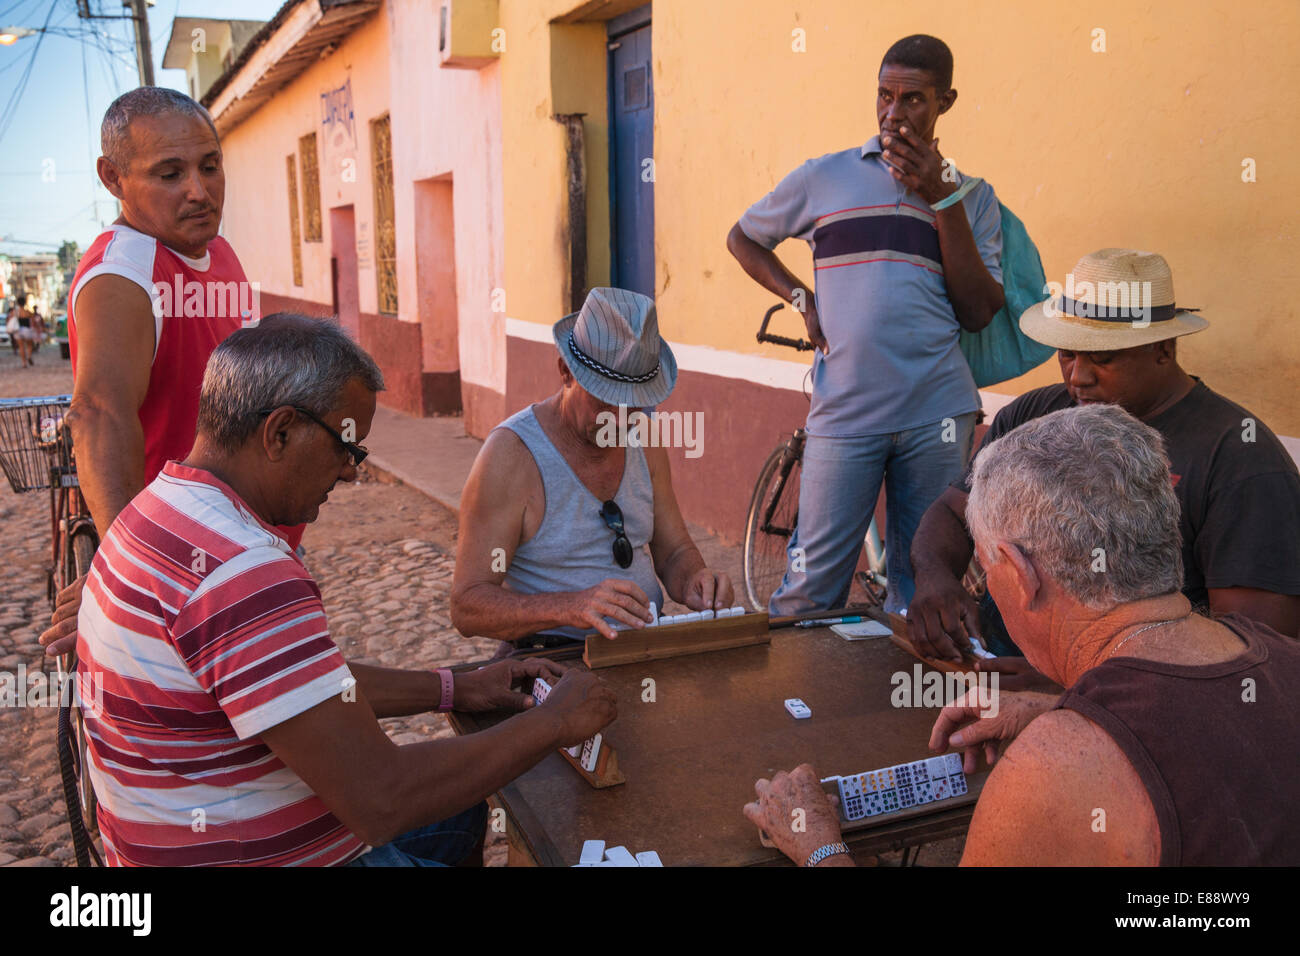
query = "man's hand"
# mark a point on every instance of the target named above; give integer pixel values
(813, 323)
(1016, 673)
(583, 703)
(790, 799)
(61, 636)
(917, 165)
(496, 686)
(619, 598)
(965, 723)
(941, 612)
(709, 590)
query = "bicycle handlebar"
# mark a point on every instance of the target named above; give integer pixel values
(801, 345)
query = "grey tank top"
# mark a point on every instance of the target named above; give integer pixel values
(574, 549)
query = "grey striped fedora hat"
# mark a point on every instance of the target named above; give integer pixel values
(612, 347)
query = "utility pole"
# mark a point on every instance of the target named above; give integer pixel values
(143, 48)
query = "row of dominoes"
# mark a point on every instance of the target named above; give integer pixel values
(595, 854)
(690, 617)
(587, 752)
(901, 786)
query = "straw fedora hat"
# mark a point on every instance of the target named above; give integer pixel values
(1114, 299)
(612, 347)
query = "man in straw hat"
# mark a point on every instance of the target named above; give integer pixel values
(1137, 660)
(1116, 325)
(565, 526)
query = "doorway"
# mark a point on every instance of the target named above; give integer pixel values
(343, 269)
(631, 146)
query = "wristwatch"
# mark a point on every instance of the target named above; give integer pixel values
(822, 852)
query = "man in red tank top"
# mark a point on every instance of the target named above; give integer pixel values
(151, 298)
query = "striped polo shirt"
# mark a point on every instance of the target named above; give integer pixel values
(894, 360)
(200, 629)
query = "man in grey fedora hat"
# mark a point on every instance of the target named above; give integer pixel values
(563, 531)
(1115, 324)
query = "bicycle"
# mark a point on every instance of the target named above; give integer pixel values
(774, 511)
(36, 454)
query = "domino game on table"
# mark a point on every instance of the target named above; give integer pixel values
(592, 756)
(899, 787)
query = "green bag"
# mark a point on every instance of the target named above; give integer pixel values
(1000, 351)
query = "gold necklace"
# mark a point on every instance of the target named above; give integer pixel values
(1172, 620)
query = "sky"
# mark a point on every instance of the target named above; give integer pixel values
(49, 135)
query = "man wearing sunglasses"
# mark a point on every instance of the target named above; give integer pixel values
(563, 532)
(236, 733)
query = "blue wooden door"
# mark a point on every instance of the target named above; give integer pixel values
(632, 189)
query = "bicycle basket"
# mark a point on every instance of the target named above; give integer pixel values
(33, 440)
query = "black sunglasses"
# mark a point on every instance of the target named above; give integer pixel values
(357, 452)
(614, 521)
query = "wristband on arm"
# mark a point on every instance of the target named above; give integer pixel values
(957, 195)
(448, 689)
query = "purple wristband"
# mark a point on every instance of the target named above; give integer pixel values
(448, 689)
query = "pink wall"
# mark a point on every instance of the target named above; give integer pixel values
(446, 130)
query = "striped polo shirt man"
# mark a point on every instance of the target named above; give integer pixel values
(894, 361)
(203, 630)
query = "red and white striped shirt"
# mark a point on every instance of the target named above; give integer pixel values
(201, 629)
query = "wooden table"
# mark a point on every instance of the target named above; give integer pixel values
(717, 724)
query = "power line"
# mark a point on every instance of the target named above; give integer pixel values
(11, 110)
(12, 8)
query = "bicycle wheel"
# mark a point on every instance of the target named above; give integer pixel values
(78, 794)
(767, 539)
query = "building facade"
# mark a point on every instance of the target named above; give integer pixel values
(363, 181)
(478, 165)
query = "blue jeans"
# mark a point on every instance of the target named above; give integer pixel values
(441, 844)
(837, 494)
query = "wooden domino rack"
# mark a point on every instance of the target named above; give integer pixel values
(676, 640)
(604, 772)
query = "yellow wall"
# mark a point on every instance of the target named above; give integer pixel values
(1141, 146)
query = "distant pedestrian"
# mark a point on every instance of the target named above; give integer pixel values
(22, 324)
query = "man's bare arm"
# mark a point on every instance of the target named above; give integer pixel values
(976, 296)
(1281, 612)
(115, 347)
(677, 560)
(379, 790)
(941, 552)
(763, 266)
(1043, 802)
(492, 512)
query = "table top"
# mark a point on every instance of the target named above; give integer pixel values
(716, 724)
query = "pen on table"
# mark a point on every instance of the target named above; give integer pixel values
(827, 621)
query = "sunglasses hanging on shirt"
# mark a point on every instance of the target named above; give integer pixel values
(614, 521)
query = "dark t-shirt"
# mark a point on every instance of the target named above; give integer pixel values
(1240, 498)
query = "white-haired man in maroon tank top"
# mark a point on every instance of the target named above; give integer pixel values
(1168, 746)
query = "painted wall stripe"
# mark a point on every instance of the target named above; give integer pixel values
(774, 373)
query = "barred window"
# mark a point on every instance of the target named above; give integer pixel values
(381, 149)
(308, 163)
(294, 239)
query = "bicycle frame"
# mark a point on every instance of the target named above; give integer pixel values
(793, 453)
